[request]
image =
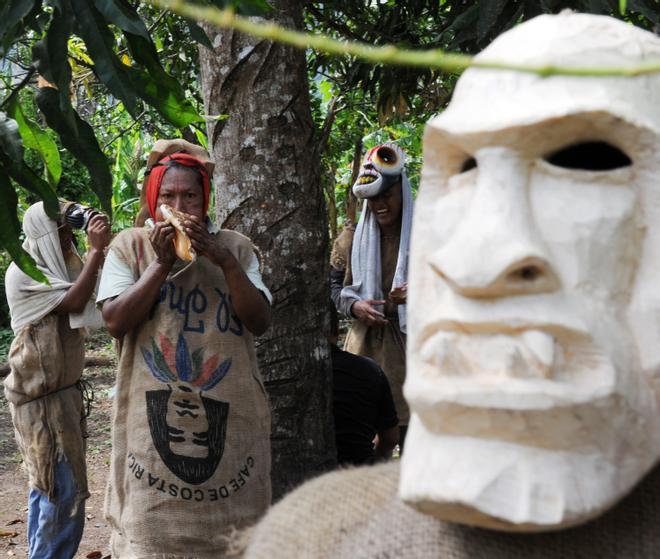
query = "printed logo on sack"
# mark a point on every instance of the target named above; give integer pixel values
(187, 428)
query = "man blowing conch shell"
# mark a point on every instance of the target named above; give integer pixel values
(191, 449)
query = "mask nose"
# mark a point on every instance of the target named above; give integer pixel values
(497, 251)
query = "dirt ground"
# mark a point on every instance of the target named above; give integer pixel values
(13, 481)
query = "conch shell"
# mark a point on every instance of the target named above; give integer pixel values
(182, 244)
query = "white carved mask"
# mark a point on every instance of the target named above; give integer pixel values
(534, 300)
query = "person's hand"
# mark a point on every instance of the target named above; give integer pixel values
(366, 312)
(162, 239)
(399, 294)
(204, 243)
(98, 232)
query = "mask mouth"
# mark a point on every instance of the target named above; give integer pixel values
(368, 184)
(367, 177)
(371, 183)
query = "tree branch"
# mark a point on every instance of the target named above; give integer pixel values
(125, 130)
(20, 86)
(388, 54)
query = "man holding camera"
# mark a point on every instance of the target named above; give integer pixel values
(46, 359)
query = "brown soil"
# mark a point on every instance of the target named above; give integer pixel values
(13, 481)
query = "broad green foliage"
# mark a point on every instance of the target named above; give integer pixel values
(86, 86)
(59, 46)
(455, 26)
(35, 138)
(375, 103)
(125, 175)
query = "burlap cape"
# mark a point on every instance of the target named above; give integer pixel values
(356, 514)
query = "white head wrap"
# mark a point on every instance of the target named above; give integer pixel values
(365, 254)
(29, 300)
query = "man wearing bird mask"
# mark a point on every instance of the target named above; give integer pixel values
(369, 268)
(191, 448)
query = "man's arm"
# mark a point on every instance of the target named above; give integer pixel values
(250, 305)
(336, 285)
(130, 308)
(77, 296)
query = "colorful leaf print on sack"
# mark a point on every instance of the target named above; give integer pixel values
(188, 429)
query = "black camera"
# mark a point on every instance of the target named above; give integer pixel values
(78, 216)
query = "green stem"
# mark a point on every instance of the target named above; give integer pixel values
(389, 54)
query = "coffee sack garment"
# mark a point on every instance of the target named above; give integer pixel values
(46, 358)
(362, 517)
(191, 449)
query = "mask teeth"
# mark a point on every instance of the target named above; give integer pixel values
(366, 179)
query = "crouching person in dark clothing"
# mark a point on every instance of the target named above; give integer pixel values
(363, 407)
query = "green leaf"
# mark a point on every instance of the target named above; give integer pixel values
(51, 58)
(51, 53)
(18, 170)
(12, 13)
(202, 139)
(100, 45)
(144, 53)
(179, 113)
(123, 16)
(10, 139)
(35, 138)
(10, 231)
(622, 7)
(198, 34)
(84, 146)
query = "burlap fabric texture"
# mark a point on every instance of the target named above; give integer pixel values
(46, 360)
(356, 514)
(191, 448)
(384, 344)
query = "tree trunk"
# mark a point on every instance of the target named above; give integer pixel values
(331, 200)
(268, 188)
(351, 200)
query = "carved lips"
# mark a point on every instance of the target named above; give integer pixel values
(527, 369)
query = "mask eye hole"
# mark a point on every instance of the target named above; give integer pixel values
(468, 165)
(386, 155)
(590, 156)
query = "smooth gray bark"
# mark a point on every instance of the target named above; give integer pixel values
(268, 188)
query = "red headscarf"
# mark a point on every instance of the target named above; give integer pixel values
(158, 172)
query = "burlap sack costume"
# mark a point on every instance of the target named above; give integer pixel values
(384, 344)
(356, 514)
(191, 449)
(46, 360)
